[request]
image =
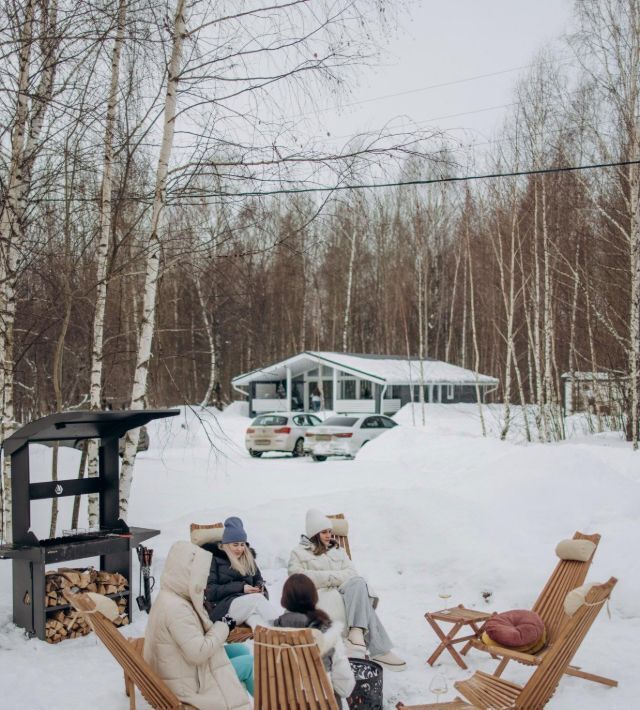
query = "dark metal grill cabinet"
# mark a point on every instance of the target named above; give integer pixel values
(114, 542)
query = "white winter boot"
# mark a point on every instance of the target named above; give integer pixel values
(391, 662)
(354, 644)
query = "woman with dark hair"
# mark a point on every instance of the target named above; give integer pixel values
(299, 598)
(342, 592)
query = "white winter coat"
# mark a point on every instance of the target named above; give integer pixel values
(327, 571)
(181, 643)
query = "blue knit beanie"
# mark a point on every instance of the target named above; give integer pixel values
(233, 531)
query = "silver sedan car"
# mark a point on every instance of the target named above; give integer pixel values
(279, 431)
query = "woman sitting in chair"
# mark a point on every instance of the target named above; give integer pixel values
(235, 585)
(299, 598)
(184, 647)
(342, 592)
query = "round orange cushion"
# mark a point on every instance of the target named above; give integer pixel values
(519, 627)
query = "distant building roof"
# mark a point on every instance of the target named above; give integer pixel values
(383, 369)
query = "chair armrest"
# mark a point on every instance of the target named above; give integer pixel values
(505, 652)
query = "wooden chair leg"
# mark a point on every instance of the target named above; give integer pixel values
(130, 690)
(572, 670)
(501, 666)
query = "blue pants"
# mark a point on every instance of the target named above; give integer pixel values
(242, 661)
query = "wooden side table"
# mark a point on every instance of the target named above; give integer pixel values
(459, 616)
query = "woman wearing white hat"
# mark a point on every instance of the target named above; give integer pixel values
(342, 593)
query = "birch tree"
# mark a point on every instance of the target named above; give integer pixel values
(608, 45)
(95, 381)
(139, 390)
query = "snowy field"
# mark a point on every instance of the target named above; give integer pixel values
(434, 510)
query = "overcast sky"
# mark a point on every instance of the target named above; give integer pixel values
(442, 41)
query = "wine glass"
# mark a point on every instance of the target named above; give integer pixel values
(444, 590)
(438, 685)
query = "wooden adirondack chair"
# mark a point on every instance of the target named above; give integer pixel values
(288, 672)
(137, 672)
(567, 575)
(484, 691)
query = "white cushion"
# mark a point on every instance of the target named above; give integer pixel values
(579, 550)
(577, 597)
(206, 534)
(107, 607)
(339, 526)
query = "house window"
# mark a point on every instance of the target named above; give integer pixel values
(366, 389)
(265, 390)
(449, 391)
(348, 389)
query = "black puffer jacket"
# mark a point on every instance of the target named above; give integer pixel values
(225, 583)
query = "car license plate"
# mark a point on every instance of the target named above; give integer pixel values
(323, 437)
(263, 442)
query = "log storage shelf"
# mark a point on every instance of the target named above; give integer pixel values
(61, 622)
(113, 542)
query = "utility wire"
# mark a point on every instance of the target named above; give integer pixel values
(419, 89)
(404, 183)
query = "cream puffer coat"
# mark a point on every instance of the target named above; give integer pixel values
(327, 571)
(182, 645)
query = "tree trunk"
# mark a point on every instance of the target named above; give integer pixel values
(139, 389)
(347, 308)
(474, 336)
(97, 350)
(209, 329)
(10, 238)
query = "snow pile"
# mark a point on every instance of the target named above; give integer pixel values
(463, 418)
(433, 511)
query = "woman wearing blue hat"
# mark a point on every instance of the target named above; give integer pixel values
(235, 586)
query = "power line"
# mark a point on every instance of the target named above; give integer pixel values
(419, 89)
(404, 183)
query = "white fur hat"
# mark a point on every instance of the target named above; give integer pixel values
(317, 521)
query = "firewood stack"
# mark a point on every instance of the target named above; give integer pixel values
(66, 623)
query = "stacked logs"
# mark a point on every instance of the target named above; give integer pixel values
(66, 623)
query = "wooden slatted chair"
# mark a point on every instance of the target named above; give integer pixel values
(342, 540)
(137, 671)
(485, 692)
(288, 672)
(242, 632)
(567, 575)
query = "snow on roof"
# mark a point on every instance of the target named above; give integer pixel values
(384, 369)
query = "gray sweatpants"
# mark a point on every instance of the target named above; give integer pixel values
(360, 612)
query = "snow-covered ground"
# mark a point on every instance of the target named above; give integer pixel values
(433, 510)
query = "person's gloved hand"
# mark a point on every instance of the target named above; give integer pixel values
(229, 621)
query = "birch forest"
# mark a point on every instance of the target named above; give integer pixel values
(160, 232)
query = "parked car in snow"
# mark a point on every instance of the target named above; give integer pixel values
(344, 435)
(279, 431)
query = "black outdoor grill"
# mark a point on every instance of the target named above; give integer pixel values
(113, 542)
